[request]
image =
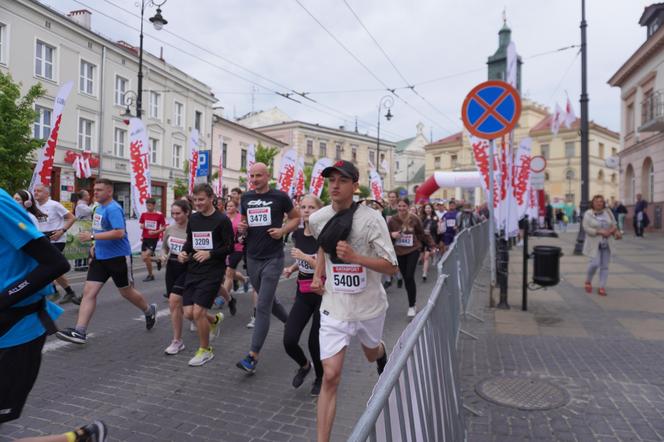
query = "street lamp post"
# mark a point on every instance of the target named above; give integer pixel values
(385, 103)
(158, 22)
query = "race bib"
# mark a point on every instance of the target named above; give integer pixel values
(259, 216)
(349, 278)
(405, 240)
(202, 240)
(150, 225)
(175, 245)
(451, 223)
(96, 222)
(304, 267)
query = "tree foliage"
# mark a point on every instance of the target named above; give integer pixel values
(17, 115)
(265, 155)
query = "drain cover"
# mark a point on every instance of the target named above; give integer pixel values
(522, 392)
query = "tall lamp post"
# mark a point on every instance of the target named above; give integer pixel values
(585, 191)
(385, 103)
(158, 22)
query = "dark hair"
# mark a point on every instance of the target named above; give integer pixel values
(27, 196)
(203, 187)
(182, 204)
(237, 189)
(230, 201)
(150, 201)
(423, 215)
(405, 200)
(104, 181)
(393, 192)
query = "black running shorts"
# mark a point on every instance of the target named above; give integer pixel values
(118, 268)
(176, 274)
(234, 259)
(60, 246)
(19, 367)
(149, 244)
(201, 292)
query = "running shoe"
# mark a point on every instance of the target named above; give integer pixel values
(175, 347)
(315, 387)
(411, 312)
(202, 356)
(94, 432)
(159, 265)
(71, 335)
(218, 302)
(399, 283)
(232, 306)
(382, 361)
(424, 278)
(151, 318)
(67, 297)
(302, 373)
(236, 285)
(252, 322)
(148, 278)
(54, 296)
(248, 364)
(215, 328)
(77, 300)
(192, 327)
(245, 285)
(387, 284)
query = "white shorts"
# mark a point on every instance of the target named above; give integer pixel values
(334, 335)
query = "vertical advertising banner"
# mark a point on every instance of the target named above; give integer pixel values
(139, 159)
(193, 159)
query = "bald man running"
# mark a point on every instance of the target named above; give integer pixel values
(263, 211)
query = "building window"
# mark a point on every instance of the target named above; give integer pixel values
(546, 176)
(177, 156)
(155, 99)
(614, 151)
(436, 162)
(397, 164)
(85, 128)
(86, 80)
(651, 182)
(569, 175)
(353, 153)
(310, 147)
(614, 178)
(198, 116)
(119, 139)
(224, 154)
(121, 85)
(337, 153)
(544, 151)
(601, 151)
(372, 157)
(42, 127)
(158, 195)
(243, 159)
(600, 176)
(629, 118)
(322, 149)
(570, 149)
(3, 43)
(178, 111)
(154, 149)
(454, 160)
(44, 60)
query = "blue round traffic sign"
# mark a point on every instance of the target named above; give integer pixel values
(491, 109)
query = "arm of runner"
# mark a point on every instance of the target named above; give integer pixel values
(381, 265)
(187, 248)
(111, 234)
(319, 272)
(288, 271)
(225, 247)
(298, 254)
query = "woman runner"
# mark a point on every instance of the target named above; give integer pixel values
(430, 226)
(235, 257)
(307, 302)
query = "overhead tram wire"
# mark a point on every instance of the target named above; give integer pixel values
(339, 114)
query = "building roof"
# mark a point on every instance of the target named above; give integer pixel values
(451, 139)
(258, 134)
(419, 176)
(544, 127)
(403, 144)
(642, 55)
(330, 130)
(649, 11)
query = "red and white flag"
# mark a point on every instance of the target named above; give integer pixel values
(139, 159)
(570, 116)
(251, 160)
(286, 180)
(557, 120)
(299, 178)
(220, 184)
(193, 159)
(44, 166)
(375, 184)
(81, 166)
(317, 180)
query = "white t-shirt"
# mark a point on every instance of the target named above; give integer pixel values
(55, 213)
(369, 237)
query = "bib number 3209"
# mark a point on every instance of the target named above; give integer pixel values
(349, 278)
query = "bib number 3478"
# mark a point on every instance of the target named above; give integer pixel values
(349, 278)
(259, 216)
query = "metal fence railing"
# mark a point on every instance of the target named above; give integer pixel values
(418, 396)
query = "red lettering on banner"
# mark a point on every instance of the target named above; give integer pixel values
(520, 179)
(49, 154)
(286, 178)
(138, 165)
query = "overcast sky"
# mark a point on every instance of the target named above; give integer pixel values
(425, 39)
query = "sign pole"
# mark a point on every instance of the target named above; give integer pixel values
(492, 219)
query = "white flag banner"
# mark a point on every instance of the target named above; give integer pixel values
(44, 166)
(298, 188)
(139, 159)
(385, 165)
(193, 159)
(521, 175)
(556, 120)
(375, 184)
(286, 180)
(317, 180)
(81, 166)
(570, 116)
(220, 178)
(251, 160)
(512, 65)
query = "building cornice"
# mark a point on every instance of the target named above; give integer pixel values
(217, 119)
(642, 55)
(643, 144)
(296, 124)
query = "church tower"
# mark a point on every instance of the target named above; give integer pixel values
(497, 63)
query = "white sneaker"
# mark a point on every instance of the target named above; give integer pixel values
(175, 347)
(215, 328)
(202, 356)
(411, 312)
(252, 322)
(192, 326)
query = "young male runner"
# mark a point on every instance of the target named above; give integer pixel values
(111, 258)
(356, 250)
(209, 241)
(263, 211)
(58, 221)
(152, 224)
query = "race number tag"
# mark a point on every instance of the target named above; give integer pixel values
(175, 245)
(349, 278)
(405, 240)
(202, 240)
(451, 223)
(151, 225)
(259, 216)
(304, 267)
(96, 222)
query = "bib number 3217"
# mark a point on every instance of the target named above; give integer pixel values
(349, 278)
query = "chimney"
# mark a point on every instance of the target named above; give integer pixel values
(81, 16)
(342, 127)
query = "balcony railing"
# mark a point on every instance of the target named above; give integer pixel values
(652, 113)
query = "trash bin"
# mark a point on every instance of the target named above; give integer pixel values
(546, 271)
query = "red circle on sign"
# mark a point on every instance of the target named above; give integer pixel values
(509, 125)
(537, 163)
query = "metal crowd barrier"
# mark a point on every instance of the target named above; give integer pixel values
(418, 396)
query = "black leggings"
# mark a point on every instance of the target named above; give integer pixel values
(407, 266)
(306, 305)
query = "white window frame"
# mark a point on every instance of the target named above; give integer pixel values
(120, 149)
(83, 137)
(200, 129)
(41, 62)
(41, 123)
(177, 159)
(91, 81)
(153, 144)
(154, 108)
(178, 118)
(4, 43)
(119, 98)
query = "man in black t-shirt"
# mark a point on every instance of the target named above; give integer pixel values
(209, 241)
(263, 211)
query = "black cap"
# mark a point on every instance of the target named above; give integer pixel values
(346, 168)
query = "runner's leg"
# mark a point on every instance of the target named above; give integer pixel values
(135, 297)
(203, 325)
(175, 306)
(314, 338)
(146, 256)
(297, 321)
(327, 401)
(269, 273)
(88, 304)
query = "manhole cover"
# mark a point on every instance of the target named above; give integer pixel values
(522, 392)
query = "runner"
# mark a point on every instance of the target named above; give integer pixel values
(430, 226)
(26, 200)
(389, 211)
(152, 224)
(234, 258)
(236, 195)
(409, 239)
(356, 248)
(28, 264)
(175, 236)
(83, 212)
(110, 258)
(449, 226)
(93, 432)
(58, 221)
(209, 241)
(307, 303)
(263, 211)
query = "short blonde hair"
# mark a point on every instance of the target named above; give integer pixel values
(317, 201)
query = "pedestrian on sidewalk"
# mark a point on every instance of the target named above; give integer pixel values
(152, 224)
(83, 212)
(641, 220)
(601, 229)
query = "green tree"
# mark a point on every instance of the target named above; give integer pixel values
(364, 191)
(265, 155)
(180, 188)
(17, 116)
